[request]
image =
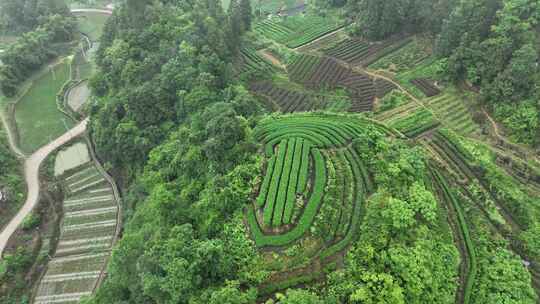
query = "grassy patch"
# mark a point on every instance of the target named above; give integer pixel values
(92, 24)
(38, 119)
(405, 58)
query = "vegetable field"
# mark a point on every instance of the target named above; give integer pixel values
(86, 236)
(37, 116)
(253, 62)
(320, 72)
(405, 58)
(287, 100)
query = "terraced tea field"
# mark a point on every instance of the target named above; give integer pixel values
(361, 52)
(253, 62)
(405, 58)
(454, 112)
(86, 237)
(325, 72)
(307, 154)
(287, 100)
(296, 31)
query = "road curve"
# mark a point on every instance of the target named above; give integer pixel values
(31, 172)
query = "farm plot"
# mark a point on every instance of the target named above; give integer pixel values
(277, 6)
(405, 58)
(307, 155)
(361, 52)
(415, 124)
(36, 114)
(251, 62)
(288, 100)
(323, 43)
(383, 87)
(311, 194)
(296, 31)
(427, 86)
(86, 237)
(316, 72)
(462, 235)
(453, 112)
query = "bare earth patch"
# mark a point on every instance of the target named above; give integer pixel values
(78, 96)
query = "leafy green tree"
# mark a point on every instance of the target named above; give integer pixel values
(231, 294)
(246, 12)
(298, 297)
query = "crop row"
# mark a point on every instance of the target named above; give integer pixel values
(302, 67)
(330, 126)
(396, 113)
(326, 72)
(362, 187)
(305, 220)
(346, 182)
(293, 186)
(470, 259)
(405, 58)
(268, 210)
(416, 124)
(319, 134)
(273, 30)
(514, 207)
(287, 100)
(361, 52)
(282, 191)
(253, 62)
(454, 112)
(297, 30)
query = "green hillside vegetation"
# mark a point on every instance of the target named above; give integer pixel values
(361, 151)
(394, 209)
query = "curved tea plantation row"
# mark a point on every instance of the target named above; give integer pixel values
(312, 174)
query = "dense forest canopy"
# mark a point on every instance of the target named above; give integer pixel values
(43, 25)
(18, 16)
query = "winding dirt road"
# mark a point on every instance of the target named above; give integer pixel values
(31, 172)
(33, 162)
